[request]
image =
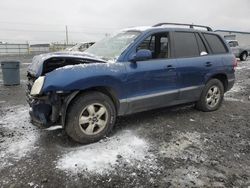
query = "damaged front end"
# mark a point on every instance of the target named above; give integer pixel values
(49, 108)
(46, 109)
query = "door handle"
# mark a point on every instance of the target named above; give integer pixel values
(208, 64)
(169, 67)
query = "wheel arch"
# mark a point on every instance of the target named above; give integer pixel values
(223, 78)
(102, 89)
(110, 92)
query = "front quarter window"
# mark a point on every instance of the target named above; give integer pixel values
(112, 47)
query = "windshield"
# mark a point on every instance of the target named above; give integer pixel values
(110, 48)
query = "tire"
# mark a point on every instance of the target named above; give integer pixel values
(243, 56)
(211, 100)
(90, 117)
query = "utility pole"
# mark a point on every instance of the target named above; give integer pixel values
(67, 36)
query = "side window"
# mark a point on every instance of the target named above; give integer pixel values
(158, 44)
(202, 47)
(215, 43)
(147, 44)
(185, 45)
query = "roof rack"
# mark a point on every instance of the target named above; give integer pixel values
(190, 25)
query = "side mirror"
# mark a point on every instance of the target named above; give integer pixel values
(203, 53)
(142, 55)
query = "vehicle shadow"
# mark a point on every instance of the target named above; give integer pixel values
(152, 116)
(130, 122)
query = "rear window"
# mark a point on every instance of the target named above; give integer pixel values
(215, 43)
(185, 45)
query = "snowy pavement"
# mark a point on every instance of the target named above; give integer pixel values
(171, 147)
(16, 140)
(102, 157)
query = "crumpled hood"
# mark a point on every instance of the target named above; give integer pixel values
(36, 68)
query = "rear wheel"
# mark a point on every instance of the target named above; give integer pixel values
(90, 117)
(211, 96)
(243, 56)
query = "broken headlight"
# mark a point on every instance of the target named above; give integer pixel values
(37, 86)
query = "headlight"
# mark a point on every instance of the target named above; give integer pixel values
(37, 86)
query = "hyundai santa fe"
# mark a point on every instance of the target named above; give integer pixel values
(134, 70)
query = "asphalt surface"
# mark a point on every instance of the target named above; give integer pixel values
(170, 147)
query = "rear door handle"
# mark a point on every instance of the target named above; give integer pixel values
(169, 67)
(208, 64)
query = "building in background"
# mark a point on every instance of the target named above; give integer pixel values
(39, 48)
(242, 37)
(25, 49)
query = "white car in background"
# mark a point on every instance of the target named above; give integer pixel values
(241, 52)
(81, 47)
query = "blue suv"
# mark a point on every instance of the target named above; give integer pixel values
(135, 70)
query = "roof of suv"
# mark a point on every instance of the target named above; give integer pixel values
(171, 26)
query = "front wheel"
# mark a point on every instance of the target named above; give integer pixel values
(211, 96)
(90, 117)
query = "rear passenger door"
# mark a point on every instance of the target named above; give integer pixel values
(193, 65)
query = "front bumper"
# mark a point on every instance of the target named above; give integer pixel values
(49, 109)
(45, 110)
(40, 118)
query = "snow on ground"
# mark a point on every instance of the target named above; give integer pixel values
(101, 157)
(187, 146)
(18, 136)
(53, 128)
(239, 86)
(243, 65)
(233, 94)
(231, 99)
(236, 88)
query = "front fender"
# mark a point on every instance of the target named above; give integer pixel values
(84, 76)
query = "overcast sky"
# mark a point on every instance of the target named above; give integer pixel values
(40, 21)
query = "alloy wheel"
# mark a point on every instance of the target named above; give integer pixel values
(93, 119)
(213, 96)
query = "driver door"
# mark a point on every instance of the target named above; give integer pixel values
(152, 83)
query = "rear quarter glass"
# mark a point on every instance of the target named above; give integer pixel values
(215, 43)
